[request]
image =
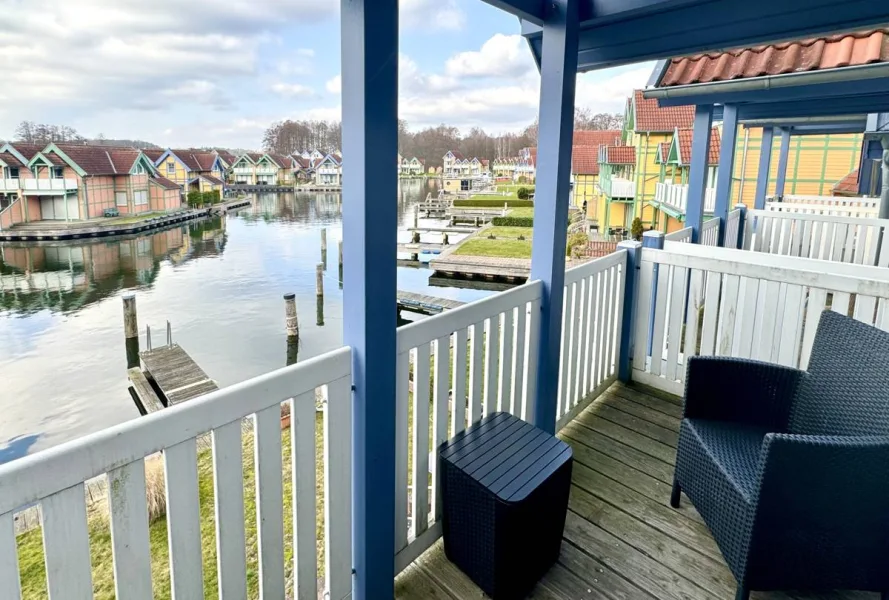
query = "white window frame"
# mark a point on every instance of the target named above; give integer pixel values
(58, 172)
(171, 167)
(143, 194)
(117, 196)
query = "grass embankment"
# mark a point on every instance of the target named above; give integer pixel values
(30, 544)
(506, 232)
(487, 201)
(513, 187)
(509, 232)
(495, 248)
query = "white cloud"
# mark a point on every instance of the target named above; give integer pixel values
(502, 56)
(292, 90)
(432, 14)
(604, 92)
(307, 52)
(334, 85)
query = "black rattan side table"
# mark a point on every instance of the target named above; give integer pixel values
(505, 487)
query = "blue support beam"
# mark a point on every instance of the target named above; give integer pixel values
(814, 107)
(783, 155)
(370, 125)
(627, 331)
(765, 163)
(557, 85)
(726, 163)
(697, 172)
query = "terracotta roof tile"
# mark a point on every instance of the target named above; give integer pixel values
(166, 183)
(685, 139)
(848, 185)
(651, 117)
(95, 160)
(255, 156)
(123, 160)
(607, 137)
(211, 179)
(813, 54)
(585, 160)
(227, 156)
(11, 160)
(457, 154)
(285, 162)
(154, 153)
(620, 155)
(28, 150)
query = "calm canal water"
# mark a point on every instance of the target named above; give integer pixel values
(219, 282)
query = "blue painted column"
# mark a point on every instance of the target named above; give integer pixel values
(370, 185)
(558, 74)
(697, 172)
(627, 329)
(652, 239)
(726, 166)
(742, 227)
(783, 155)
(765, 163)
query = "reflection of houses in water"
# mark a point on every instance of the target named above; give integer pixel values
(66, 277)
(302, 207)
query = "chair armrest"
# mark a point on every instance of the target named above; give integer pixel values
(740, 390)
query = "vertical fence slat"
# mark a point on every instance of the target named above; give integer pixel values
(589, 353)
(814, 306)
(420, 437)
(580, 315)
(693, 315)
(302, 464)
(521, 351)
(402, 372)
(338, 488)
(476, 377)
(840, 303)
(728, 310)
(440, 415)
(746, 317)
(711, 312)
(643, 316)
(228, 497)
(598, 353)
(184, 520)
(10, 584)
(618, 277)
(674, 324)
(66, 545)
(608, 282)
(788, 350)
(269, 501)
(505, 365)
(563, 404)
(129, 531)
(660, 319)
(458, 412)
(533, 349)
(492, 353)
(864, 309)
(763, 344)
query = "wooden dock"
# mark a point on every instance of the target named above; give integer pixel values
(175, 374)
(421, 247)
(425, 305)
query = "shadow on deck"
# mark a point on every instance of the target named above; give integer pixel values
(622, 540)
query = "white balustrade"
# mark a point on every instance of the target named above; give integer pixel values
(680, 235)
(732, 225)
(54, 480)
(622, 188)
(725, 302)
(9, 185)
(710, 233)
(675, 196)
(48, 185)
(826, 205)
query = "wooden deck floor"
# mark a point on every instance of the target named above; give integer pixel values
(622, 540)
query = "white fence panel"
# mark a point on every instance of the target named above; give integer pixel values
(826, 205)
(680, 235)
(732, 229)
(710, 233)
(54, 479)
(841, 239)
(744, 304)
(501, 334)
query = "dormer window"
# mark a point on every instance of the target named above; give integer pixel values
(13, 172)
(58, 172)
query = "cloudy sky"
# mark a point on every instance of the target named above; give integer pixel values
(202, 73)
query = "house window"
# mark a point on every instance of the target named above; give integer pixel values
(171, 167)
(13, 172)
(140, 198)
(120, 198)
(140, 169)
(58, 172)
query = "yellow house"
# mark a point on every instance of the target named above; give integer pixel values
(585, 167)
(193, 170)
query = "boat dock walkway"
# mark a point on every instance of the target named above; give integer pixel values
(176, 374)
(425, 305)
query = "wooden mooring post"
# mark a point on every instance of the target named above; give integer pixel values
(324, 247)
(319, 293)
(341, 263)
(292, 325)
(416, 216)
(131, 330)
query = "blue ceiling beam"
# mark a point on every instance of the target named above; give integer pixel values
(853, 105)
(653, 29)
(532, 11)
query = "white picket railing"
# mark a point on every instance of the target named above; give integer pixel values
(732, 229)
(622, 188)
(9, 185)
(675, 196)
(839, 239)
(592, 317)
(466, 363)
(710, 233)
(48, 185)
(826, 205)
(680, 235)
(54, 479)
(724, 302)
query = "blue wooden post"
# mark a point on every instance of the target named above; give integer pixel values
(370, 126)
(631, 281)
(726, 165)
(558, 72)
(652, 239)
(697, 172)
(765, 163)
(783, 155)
(742, 226)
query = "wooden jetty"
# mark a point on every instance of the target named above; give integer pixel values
(421, 247)
(425, 305)
(246, 187)
(175, 374)
(102, 227)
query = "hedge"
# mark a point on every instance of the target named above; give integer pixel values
(513, 221)
(195, 198)
(493, 203)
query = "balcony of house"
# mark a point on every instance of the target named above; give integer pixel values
(675, 196)
(47, 187)
(618, 188)
(266, 170)
(9, 186)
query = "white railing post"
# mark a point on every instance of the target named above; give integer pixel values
(631, 278)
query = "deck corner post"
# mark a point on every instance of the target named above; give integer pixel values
(742, 226)
(765, 162)
(697, 172)
(369, 38)
(558, 75)
(726, 167)
(655, 240)
(631, 280)
(884, 192)
(783, 156)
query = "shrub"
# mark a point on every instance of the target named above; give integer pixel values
(636, 229)
(195, 199)
(523, 193)
(522, 179)
(212, 197)
(493, 203)
(513, 221)
(575, 240)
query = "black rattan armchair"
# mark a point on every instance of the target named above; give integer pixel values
(790, 469)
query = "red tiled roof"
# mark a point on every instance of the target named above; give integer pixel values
(205, 160)
(457, 154)
(620, 155)
(651, 117)
(165, 183)
(606, 137)
(227, 156)
(28, 150)
(153, 153)
(304, 163)
(848, 185)
(95, 160)
(254, 156)
(814, 54)
(285, 162)
(211, 179)
(122, 160)
(11, 161)
(585, 160)
(685, 137)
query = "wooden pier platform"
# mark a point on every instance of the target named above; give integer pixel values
(421, 247)
(176, 374)
(425, 305)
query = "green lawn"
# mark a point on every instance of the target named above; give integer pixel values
(514, 187)
(508, 232)
(30, 544)
(496, 248)
(521, 212)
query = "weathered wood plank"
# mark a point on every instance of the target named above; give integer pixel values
(597, 576)
(650, 430)
(144, 392)
(619, 433)
(628, 455)
(639, 410)
(414, 584)
(129, 531)
(668, 408)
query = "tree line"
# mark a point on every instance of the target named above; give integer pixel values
(429, 144)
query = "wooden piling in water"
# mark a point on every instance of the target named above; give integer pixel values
(324, 247)
(340, 272)
(291, 320)
(131, 330)
(416, 216)
(319, 280)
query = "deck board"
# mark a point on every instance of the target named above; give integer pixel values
(177, 375)
(622, 540)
